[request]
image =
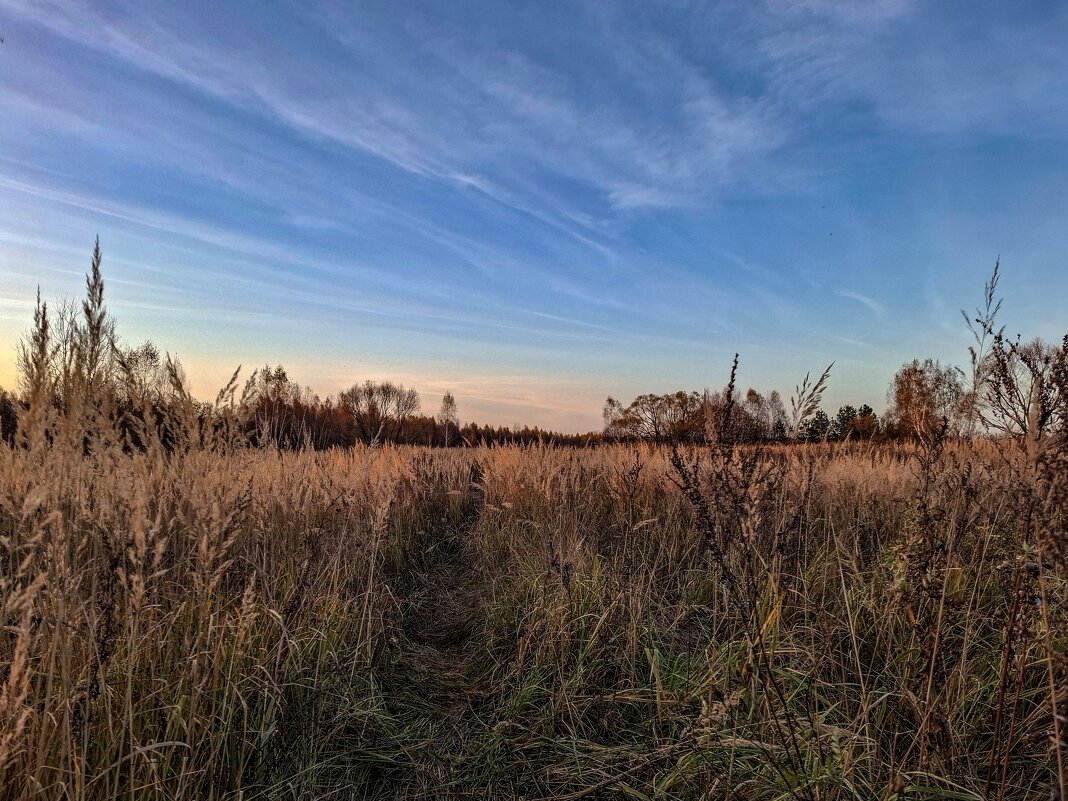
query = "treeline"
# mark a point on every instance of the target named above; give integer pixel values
(1012, 389)
(696, 417)
(75, 373)
(77, 376)
(1008, 381)
(140, 387)
(278, 412)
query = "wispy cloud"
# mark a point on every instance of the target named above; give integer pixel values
(871, 304)
(923, 67)
(484, 104)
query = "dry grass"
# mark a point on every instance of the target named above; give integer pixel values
(186, 617)
(226, 623)
(188, 626)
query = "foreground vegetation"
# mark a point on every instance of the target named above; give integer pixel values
(186, 616)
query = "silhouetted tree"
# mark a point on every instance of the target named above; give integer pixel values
(277, 411)
(658, 418)
(447, 416)
(777, 417)
(816, 428)
(379, 410)
(1015, 391)
(9, 416)
(865, 425)
(760, 418)
(144, 374)
(840, 423)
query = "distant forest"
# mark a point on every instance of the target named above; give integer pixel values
(143, 386)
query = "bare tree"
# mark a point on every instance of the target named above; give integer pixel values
(659, 418)
(144, 372)
(1015, 392)
(379, 410)
(447, 416)
(1014, 387)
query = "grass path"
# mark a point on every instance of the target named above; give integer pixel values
(449, 715)
(437, 691)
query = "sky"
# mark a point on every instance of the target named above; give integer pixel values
(536, 205)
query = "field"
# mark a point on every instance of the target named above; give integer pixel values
(813, 622)
(609, 409)
(192, 612)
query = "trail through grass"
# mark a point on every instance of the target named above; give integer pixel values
(437, 692)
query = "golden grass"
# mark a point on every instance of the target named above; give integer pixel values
(225, 622)
(187, 617)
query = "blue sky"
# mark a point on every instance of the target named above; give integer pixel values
(536, 205)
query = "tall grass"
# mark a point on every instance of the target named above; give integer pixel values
(188, 617)
(200, 624)
(827, 653)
